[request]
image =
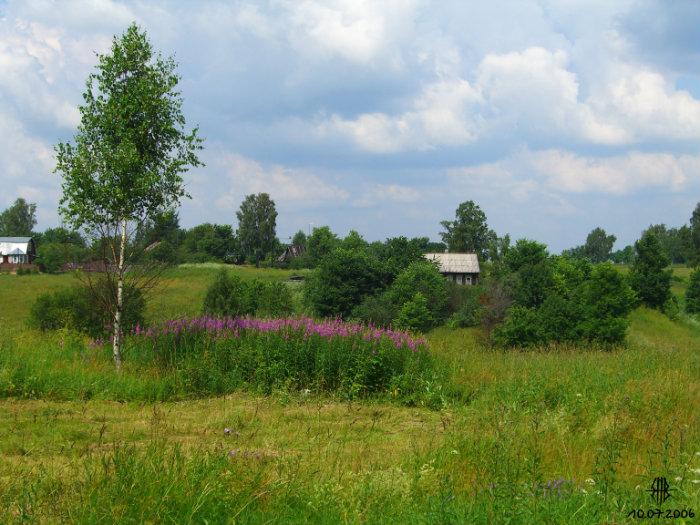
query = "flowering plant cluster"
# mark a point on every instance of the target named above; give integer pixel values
(329, 328)
(211, 355)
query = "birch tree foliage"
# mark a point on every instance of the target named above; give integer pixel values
(131, 147)
(126, 163)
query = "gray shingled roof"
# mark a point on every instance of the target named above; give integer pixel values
(455, 262)
(14, 245)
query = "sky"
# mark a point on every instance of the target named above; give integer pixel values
(556, 117)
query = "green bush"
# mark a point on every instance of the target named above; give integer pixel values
(521, 327)
(85, 309)
(648, 276)
(672, 308)
(560, 318)
(593, 309)
(274, 299)
(421, 276)
(692, 294)
(227, 296)
(50, 257)
(377, 310)
(342, 281)
(607, 300)
(230, 296)
(415, 315)
(531, 272)
(466, 306)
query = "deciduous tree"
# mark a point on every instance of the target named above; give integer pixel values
(256, 226)
(18, 220)
(129, 155)
(469, 232)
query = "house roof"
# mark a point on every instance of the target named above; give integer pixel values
(14, 245)
(455, 262)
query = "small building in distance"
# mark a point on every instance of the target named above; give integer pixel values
(291, 252)
(17, 250)
(461, 268)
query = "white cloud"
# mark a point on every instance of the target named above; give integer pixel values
(285, 185)
(381, 194)
(533, 94)
(356, 30)
(648, 107)
(622, 174)
(439, 117)
(529, 172)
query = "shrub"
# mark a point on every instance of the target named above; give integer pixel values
(424, 277)
(215, 356)
(274, 299)
(377, 310)
(648, 276)
(607, 300)
(342, 281)
(560, 318)
(672, 308)
(466, 305)
(521, 327)
(415, 315)
(230, 296)
(227, 296)
(50, 257)
(692, 294)
(84, 308)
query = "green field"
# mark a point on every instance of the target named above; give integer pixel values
(558, 435)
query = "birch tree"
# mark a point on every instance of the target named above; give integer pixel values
(129, 153)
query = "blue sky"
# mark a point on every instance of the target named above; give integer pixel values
(555, 116)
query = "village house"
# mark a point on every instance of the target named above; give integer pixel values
(461, 268)
(16, 251)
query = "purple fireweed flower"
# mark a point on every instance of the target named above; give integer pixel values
(286, 328)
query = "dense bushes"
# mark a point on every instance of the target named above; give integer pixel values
(344, 278)
(84, 308)
(692, 294)
(585, 303)
(231, 296)
(648, 276)
(399, 304)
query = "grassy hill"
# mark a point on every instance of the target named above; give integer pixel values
(559, 435)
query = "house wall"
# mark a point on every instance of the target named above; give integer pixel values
(462, 278)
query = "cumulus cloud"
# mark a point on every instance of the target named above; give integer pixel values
(530, 93)
(439, 117)
(285, 185)
(527, 172)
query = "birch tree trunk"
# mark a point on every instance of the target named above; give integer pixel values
(117, 341)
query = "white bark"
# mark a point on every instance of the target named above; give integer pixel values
(117, 341)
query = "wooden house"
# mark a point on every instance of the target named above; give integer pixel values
(461, 268)
(16, 251)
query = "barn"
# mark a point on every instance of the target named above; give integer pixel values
(461, 268)
(16, 251)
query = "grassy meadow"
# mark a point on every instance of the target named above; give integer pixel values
(555, 435)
